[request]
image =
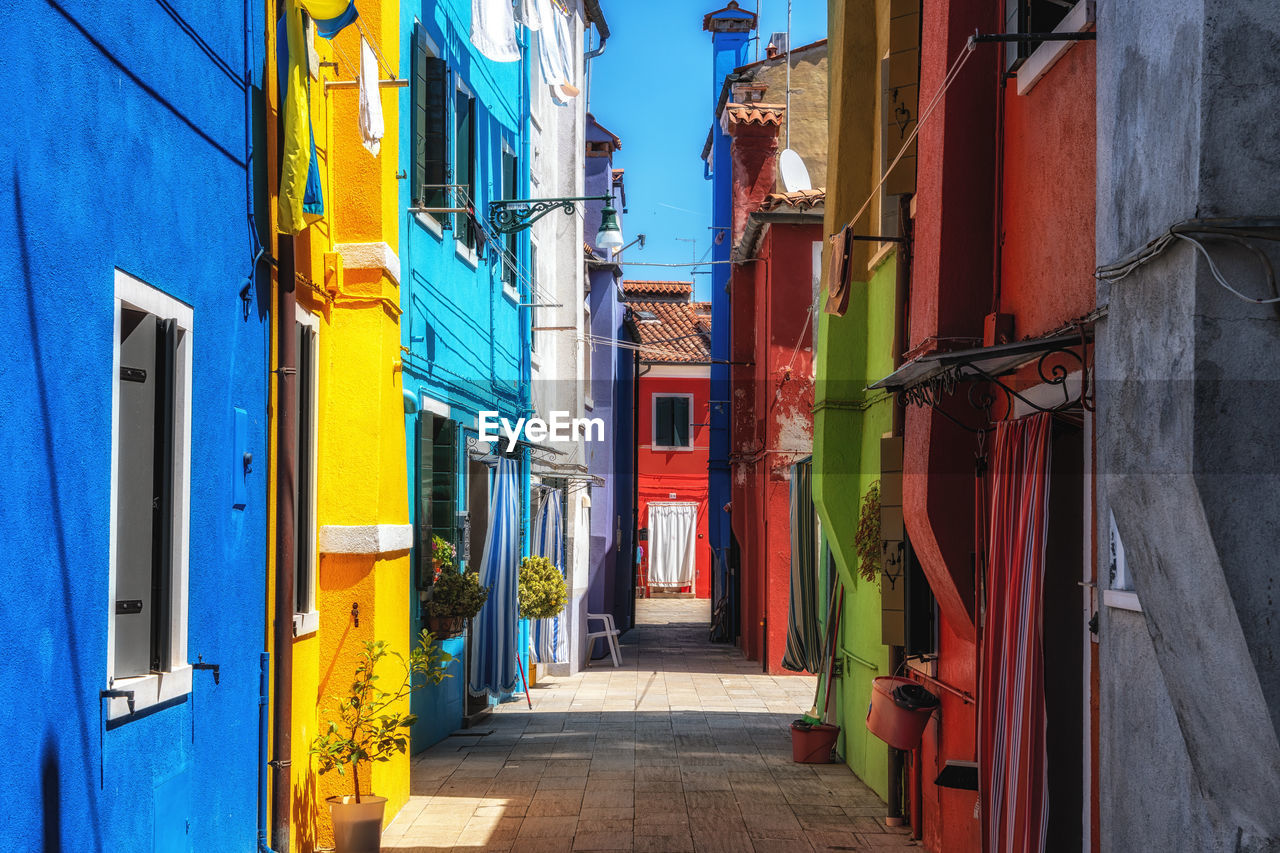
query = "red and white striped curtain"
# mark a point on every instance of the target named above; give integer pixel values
(1011, 712)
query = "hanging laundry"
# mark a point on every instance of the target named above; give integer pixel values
(556, 52)
(371, 127)
(301, 199)
(493, 29)
(529, 13)
(840, 271)
(331, 16)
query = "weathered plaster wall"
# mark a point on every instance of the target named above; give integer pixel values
(126, 150)
(808, 120)
(1184, 94)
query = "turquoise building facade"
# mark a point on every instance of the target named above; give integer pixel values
(466, 297)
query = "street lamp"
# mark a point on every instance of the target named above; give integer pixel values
(507, 216)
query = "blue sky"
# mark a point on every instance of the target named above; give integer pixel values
(653, 87)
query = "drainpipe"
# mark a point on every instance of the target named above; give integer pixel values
(264, 702)
(902, 286)
(594, 16)
(635, 478)
(286, 485)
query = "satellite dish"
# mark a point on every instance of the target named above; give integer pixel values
(795, 176)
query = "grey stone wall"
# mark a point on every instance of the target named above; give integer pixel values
(1187, 441)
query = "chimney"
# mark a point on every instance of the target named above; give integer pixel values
(771, 51)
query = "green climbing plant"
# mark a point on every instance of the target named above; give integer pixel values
(866, 541)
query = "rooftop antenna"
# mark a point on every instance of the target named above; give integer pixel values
(787, 117)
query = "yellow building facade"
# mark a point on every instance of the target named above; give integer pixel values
(353, 574)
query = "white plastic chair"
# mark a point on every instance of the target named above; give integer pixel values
(610, 634)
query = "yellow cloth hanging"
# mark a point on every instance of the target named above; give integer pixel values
(325, 9)
(297, 124)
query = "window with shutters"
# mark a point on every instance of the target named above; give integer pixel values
(436, 492)
(150, 486)
(672, 421)
(1031, 16)
(430, 127)
(464, 164)
(899, 101)
(306, 619)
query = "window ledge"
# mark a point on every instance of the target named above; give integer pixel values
(927, 666)
(430, 225)
(468, 256)
(511, 293)
(149, 690)
(657, 448)
(1121, 599)
(1044, 57)
(306, 623)
(881, 255)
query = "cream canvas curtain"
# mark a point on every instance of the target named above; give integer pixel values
(673, 530)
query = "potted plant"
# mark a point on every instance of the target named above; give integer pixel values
(454, 598)
(443, 554)
(542, 594)
(369, 728)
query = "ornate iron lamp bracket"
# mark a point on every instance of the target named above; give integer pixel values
(507, 216)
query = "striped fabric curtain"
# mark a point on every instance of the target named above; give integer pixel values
(804, 634)
(1011, 712)
(493, 658)
(549, 643)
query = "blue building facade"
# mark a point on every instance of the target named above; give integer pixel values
(613, 522)
(465, 294)
(730, 30)
(135, 386)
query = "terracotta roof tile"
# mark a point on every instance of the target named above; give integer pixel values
(657, 288)
(672, 332)
(797, 200)
(761, 114)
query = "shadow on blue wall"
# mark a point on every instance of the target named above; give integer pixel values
(59, 524)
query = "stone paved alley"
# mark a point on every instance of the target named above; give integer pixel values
(684, 749)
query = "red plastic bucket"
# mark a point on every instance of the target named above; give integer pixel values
(899, 727)
(812, 744)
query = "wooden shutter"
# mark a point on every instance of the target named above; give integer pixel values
(900, 98)
(135, 493)
(303, 556)
(430, 123)
(680, 421)
(444, 482)
(1015, 21)
(893, 589)
(426, 453)
(662, 422)
(162, 540)
(464, 163)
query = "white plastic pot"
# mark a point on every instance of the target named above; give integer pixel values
(357, 827)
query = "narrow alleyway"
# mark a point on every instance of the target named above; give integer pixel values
(685, 748)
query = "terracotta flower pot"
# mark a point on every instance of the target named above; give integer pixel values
(357, 827)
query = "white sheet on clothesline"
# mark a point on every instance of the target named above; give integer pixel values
(673, 530)
(493, 29)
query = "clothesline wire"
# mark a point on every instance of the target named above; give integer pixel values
(950, 78)
(377, 51)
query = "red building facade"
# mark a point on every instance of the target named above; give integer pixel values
(673, 435)
(997, 493)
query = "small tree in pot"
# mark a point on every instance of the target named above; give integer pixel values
(368, 729)
(542, 594)
(454, 598)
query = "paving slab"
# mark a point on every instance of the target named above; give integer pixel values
(685, 748)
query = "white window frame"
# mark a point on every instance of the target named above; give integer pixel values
(653, 423)
(156, 687)
(308, 621)
(1046, 55)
